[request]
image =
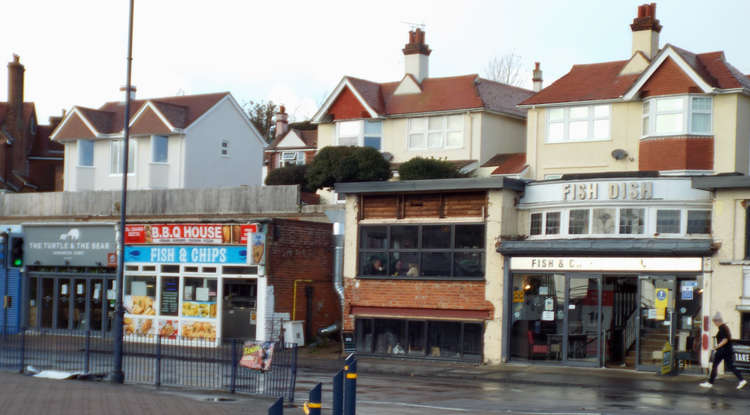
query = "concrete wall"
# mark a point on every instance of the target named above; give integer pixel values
(501, 135)
(729, 261)
(212, 201)
(205, 166)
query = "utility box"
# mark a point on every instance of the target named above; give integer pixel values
(294, 332)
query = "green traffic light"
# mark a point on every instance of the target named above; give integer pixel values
(17, 262)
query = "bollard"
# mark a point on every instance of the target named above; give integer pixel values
(314, 404)
(157, 375)
(87, 351)
(350, 386)
(235, 363)
(277, 408)
(338, 394)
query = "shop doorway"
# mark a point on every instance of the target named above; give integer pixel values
(80, 302)
(239, 309)
(620, 320)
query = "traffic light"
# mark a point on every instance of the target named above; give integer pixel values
(15, 252)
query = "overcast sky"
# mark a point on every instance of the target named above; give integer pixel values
(294, 52)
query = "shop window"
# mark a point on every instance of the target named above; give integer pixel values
(578, 223)
(170, 292)
(390, 337)
(190, 269)
(414, 251)
(416, 334)
(171, 269)
(199, 297)
(537, 316)
(536, 224)
(364, 335)
(699, 221)
(552, 225)
(632, 221)
(472, 342)
(33, 304)
(745, 326)
(668, 221)
(237, 270)
(603, 222)
(140, 295)
(747, 232)
(443, 339)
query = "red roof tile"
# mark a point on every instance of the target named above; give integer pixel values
(309, 137)
(442, 94)
(512, 163)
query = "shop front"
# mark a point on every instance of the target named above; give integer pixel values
(69, 279)
(612, 273)
(192, 282)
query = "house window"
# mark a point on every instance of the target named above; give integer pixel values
(159, 149)
(677, 115)
(115, 152)
(552, 225)
(603, 221)
(291, 158)
(536, 224)
(86, 153)
(668, 221)
(360, 133)
(579, 123)
(578, 223)
(436, 133)
(225, 148)
(422, 251)
(699, 221)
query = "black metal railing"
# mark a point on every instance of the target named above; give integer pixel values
(150, 360)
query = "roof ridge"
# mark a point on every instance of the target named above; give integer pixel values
(169, 97)
(601, 63)
(506, 85)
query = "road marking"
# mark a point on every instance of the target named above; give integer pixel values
(446, 408)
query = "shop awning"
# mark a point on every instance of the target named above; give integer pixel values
(721, 182)
(420, 313)
(481, 183)
(608, 247)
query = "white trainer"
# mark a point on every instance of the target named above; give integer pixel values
(742, 384)
(706, 385)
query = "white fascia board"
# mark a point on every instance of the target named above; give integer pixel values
(316, 119)
(161, 116)
(668, 52)
(67, 118)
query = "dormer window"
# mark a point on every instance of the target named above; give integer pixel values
(677, 115)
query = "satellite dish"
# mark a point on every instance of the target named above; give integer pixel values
(387, 156)
(619, 154)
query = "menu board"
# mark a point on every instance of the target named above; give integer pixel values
(170, 290)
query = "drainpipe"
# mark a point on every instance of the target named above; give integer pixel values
(337, 217)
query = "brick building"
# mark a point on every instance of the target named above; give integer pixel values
(29, 161)
(293, 145)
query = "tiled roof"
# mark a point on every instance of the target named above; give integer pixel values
(602, 80)
(43, 146)
(442, 94)
(511, 163)
(309, 137)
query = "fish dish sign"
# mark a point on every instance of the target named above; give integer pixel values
(84, 245)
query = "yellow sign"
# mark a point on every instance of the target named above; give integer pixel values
(518, 296)
(661, 300)
(666, 365)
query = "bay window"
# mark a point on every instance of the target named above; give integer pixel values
(579, 123)
(360, 133)
(435, 133)
(677, 115)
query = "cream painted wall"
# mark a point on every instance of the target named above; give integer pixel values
(484, 136)
(727, 278)
(725, 134)
(743, 135)
(647, 41)
(588, 156)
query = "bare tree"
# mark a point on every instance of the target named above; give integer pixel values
(507, 69)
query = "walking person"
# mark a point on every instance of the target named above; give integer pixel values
(723, 351)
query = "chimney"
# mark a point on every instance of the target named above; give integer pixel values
(55, 120)
(282, 123)
(15, 92)
(537, 78)
(132, 91)
(646, 30)
(417, 55)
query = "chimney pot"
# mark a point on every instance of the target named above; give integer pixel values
(282, 122)
(646, 28)
(416, 55)
(537, 77)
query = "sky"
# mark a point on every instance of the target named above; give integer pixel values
(295, 52)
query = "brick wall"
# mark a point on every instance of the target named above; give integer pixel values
(668, 79)
(431, 297)
(676, 153)
(299, 250)
(347, 106)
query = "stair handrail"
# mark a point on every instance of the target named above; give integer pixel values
(630, 330)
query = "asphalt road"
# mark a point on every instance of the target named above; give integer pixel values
(385, 394)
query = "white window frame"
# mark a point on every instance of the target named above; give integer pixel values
(566, 120)
(650, 115)
(154, 138)
(131, 157)
(297, 158)
(224, 148)
(78, 150)
(360, 136)
(443, 130)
